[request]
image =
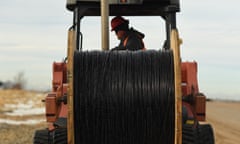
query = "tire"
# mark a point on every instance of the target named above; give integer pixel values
(205, 134)
(189, 134)
(41, 137)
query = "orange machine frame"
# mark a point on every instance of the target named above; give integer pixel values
(56, 108)
(54, 102)
(196, 101)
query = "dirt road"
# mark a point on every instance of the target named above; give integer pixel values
(225, 119)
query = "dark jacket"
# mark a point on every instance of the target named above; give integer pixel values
(132, 41)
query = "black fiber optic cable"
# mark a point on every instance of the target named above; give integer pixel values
(124, 97)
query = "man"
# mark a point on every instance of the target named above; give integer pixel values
(130, 39)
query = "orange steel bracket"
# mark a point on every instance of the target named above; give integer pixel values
(54, 109)
(189, 78)
(190, 87)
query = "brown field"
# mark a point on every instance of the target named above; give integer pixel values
(19, 129)
(224, 117)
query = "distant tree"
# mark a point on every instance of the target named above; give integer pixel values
(7, 85)
(19, 81)
(1, 85)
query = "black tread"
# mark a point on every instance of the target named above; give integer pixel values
(41, 137)
(205, 134)
(60, 122)
(189, 135)
(60, 136)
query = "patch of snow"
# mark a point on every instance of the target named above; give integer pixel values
(25, 122)
(23, 109)
(18, 106)
(26, 111)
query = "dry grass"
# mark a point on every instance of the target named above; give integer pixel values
(20, 96)
(19, 133)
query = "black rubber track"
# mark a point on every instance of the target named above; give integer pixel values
(41, 137)
(205, 134)
(59, 136)
(124, 97)
(189, 134)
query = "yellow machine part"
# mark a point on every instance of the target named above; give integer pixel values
(71, 49)
(175, 46)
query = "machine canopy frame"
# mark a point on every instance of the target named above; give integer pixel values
(125, 7)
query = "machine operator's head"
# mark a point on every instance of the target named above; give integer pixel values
(120, 26)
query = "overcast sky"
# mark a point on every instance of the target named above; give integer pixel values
(33, 34)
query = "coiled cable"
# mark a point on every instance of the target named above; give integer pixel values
(124, 97)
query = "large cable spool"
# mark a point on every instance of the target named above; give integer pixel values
(123, 97)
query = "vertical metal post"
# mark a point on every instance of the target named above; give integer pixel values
(168, 30)
(173, 20)
(104, 24)
(76, 24)
(170, 21)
